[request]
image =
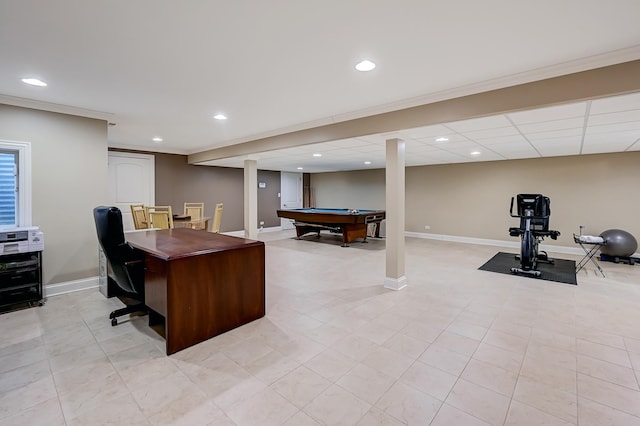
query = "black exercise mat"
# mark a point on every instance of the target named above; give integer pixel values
(562, 271)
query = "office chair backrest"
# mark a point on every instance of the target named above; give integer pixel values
(111, 238)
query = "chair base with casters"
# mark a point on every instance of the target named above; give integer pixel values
(534, 211)
(132, 306)
(135, 271)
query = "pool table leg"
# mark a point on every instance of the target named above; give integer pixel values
(303, 229)
(351, 232)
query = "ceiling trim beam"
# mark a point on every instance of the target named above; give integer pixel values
(596, 83)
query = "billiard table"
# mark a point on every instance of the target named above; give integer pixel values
(351, 223)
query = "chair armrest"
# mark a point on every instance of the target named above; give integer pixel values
(135, 270)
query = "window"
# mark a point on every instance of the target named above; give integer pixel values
(8, 186)
(15, 184)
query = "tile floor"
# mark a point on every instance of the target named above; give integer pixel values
(458, 346)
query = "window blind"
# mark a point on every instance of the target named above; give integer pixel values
(8, 188)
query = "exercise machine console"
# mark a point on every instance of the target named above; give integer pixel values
(534, 211)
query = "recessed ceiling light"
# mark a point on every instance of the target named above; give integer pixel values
(299, 168)
(442, 139)
(367, 162)
(317, 155)
(220, 117)
(365, 65)
(34, 82)
(475, 153)
(157, 139)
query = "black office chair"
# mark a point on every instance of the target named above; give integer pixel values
(534, 211)
(125, 264)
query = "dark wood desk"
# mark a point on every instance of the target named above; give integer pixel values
(200, 284)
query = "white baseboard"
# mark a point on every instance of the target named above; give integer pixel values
(234, 233)
(240, 233)
(70, 286)
(395, 283)
(498, 243)
(270, 229)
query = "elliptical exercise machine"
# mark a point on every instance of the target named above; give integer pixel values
(534, 211)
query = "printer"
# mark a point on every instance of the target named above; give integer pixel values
(21, 240)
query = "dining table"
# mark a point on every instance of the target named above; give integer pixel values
(189, 222)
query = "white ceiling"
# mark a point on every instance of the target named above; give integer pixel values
(164, 68)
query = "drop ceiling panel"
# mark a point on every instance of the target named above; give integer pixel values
(614, 128)
(451, 138)
(416, 145)
(604, 138)
(492, 133)
(426, 132)
(443, 156)
(510, 139)
(335, 155)
(549, 114)
(593, 148)
(512, 148)
(558, 135)
(517, 155)
(462, 146)
(484, 156)
(298, 151)
(346, 143)
(615, 103)
(369, 149)
(420, 150)
(372, 139)
(635, 146)
(615, 117)
(492, 122)
(269, 154)
(548, 126)
(551, 147)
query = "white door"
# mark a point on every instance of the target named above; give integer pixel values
(291, 197)
(131, 181)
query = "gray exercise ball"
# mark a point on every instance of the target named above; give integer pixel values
(618, 243)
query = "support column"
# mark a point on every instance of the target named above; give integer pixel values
(395, 262)
(251, 199)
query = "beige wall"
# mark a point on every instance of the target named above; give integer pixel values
(268, 198)
(178, 182)
(69, 161)
(362, 189)
(472, 200)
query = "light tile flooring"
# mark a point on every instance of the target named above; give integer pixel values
(458, 346)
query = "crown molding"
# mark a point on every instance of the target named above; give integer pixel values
(52, 107)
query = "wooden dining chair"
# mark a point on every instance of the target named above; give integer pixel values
(217, 218)
(196, 211)
(139, 215)
(159, 217)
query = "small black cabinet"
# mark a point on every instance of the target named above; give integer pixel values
(20, 278)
